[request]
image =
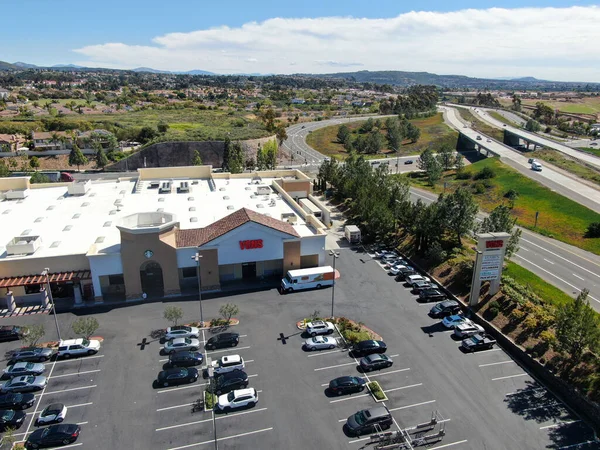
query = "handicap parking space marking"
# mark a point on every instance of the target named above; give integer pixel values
(511, 376)
(69, 390)
(179, 425)
(353, 363)
(74, 373)
(412, 406)
(560, 424)
(388, 373)
(496, 363)
(221, 439)
(83, 358)
(189, 386)
(326, 353)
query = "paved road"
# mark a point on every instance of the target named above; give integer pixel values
(554, 179)
(568, 268)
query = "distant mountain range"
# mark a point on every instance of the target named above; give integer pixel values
(22, 65)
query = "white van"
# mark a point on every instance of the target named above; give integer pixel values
(536, 166)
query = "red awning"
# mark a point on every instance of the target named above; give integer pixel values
(59, 277)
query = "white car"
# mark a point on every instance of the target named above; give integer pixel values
(395, 269)
(181, 345)
(237, 399)
(320, 343)
(381, 253)
(465, 330)
(319, 327)
(228, 363)
(390, 257)
(412, 278)
(54, 413)
(182, 331)
(78, 347)
(454, 320)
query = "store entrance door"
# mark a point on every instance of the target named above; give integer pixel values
(248, 270)
(152, 279)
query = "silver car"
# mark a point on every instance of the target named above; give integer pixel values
(182, 331)
(320, 343)
(33, 354)
(181, 344)
(24, 368)
(25, 384)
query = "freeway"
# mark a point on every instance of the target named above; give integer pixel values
(568, 268)
(555, 179)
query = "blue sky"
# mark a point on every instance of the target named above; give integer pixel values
(188, 34)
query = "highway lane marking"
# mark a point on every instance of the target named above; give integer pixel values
(560, 424)
(563, 258)
(221, 439)
(496, 363)
(179, 425)
(577, 276)
(575, 445)
(388, 373)
(510, 376)
(547, 260)
(72, 374)
(85, 358)
(326, 353)
(523, 248)
(558, 278)
(448, 445)
(72, 389)
(412, 406)
(180, 388)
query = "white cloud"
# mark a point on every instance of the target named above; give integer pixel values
(551, 43)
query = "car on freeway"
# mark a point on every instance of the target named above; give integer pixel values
(229, 363)
(303, 127)
(594, 143)
(396, 269)
(478, 342)
(78, 347)
(31, 354)
(237, 399)
(489, 140)
(368, 421)
(419, 285)
(11, 333)
(465, 330)
(181, 345)
(27, 383)
(223, 340)
(182, 331)
(445, 308)
(403, 273)
(320, 343)
(454, 320)
(478, 138)
(319, 327)
(409, 161)
(23, 368)
(230, 381)
(62, 434)
(54, 413)
(431, 295)
(16, 401)
(347, 385)
(11, 419)
(375, 361)
(185, 359)
(368, 347)
(179, 375)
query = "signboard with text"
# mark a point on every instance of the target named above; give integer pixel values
(251, 244)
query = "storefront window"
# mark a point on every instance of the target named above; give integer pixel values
(32, 288)
(188, 272)
(115, 279)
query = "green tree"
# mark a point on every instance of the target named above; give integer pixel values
(533, 126)
(516, 103)
(146, 134)
(34, 162)
(76, 157)
(236, 158)
(4, 170)
(367, 126)
(173, 314)
(270, 151)
(343, 134)
(446, 156)
(459, 163)
(196, 159)
(460, 210)
(39, 177)
(434, 171)
(425, 159)
(226, 154)
(374, 142)
(162, 127)
(101, 158)
(413, 132)
(501, 221)
(577, 330)
(32, 334)
(269, 119)
(228, 310)
(394, 134)
(85, 326)
(261, 162)
(281, 134)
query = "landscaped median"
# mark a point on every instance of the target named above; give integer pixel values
(376, 391)
(210, 399)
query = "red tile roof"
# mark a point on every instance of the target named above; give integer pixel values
(200, 236)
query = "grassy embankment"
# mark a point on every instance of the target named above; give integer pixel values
(480, 125)
(433, 132)
(496, 115)
(559, 217)
(578, 168)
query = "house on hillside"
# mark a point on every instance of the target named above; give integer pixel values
(4, 94)
(84, 139)
(51, 140)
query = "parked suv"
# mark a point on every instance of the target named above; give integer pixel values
(319, 327)
(228, 364)
(369, 421)
(11, 333)
(78, 347)
(223, 340)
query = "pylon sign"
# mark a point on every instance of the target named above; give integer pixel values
(491, 248)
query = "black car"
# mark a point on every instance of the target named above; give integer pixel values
(230, 381)
(173, 377)
(479, 341)
(16, 401)
(445, 308)
(185, 359)
(404, 273)
(431, 295)
(347, 385)
(369, 421)
(408, 161)
(375, 362)
(223, 340)
(63, 434)
(368, 347)
(31, 354)
(10, 333)
(11, 419)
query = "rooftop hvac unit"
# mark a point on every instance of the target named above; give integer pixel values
(23, 245)
(263, 190)
(79, 187)
(16, 194)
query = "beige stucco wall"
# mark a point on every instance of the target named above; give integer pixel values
(291, 255)
(209, 269)
(155, 173)
(133, 247)
(8, 183)
(304, 186)
(33, 266)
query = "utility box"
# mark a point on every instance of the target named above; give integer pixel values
(352, 233)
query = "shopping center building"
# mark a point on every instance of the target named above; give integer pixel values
(156, 234)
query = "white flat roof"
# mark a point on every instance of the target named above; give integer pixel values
(72, 224)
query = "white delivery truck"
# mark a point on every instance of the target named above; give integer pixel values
(536, 166)
(315, 277)
(352, 233)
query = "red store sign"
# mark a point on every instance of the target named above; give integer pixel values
(494, 244)
(251, 244)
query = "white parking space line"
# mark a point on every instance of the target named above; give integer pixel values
(174, 407)
(412, 406)
(248, 360)
(230, 350)
(528, 391)
(359, 440)
(578, 445)
(448, 445)
(210, 420)
(78, 360)
(560, 424)
(349, 398)
(388, 373)
(73, 374)
(326, 353)
(338, 365)
(402, 387)
(69, 406)
(510, 376)
(81, 423)
(73, 445)
(487, 351)
(189, 386)
(496, 363)
(548, 405)
(222, 439)
(72, 389)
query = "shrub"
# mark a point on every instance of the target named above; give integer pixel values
(463, 175)
(173, 314)
(494, 309)
(210, 399)
(593, 230)
(355, 336)
(548, 336)
(375, 388)
(479, 188)
(517, 313)
(512, 194)
(436, 254)
(485, 174)
(531, 322)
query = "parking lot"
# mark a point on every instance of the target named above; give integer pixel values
(485, 400)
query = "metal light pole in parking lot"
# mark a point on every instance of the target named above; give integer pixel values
(49, 291)
(197, 258)
(335, 255)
